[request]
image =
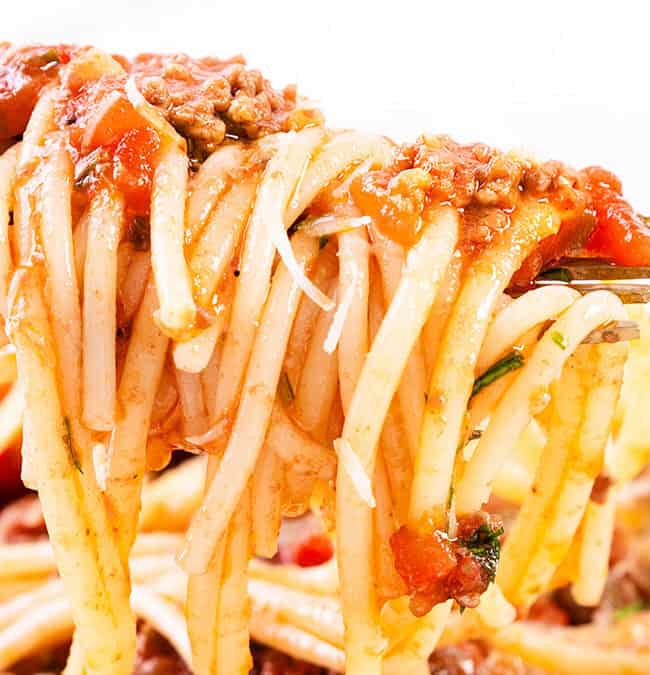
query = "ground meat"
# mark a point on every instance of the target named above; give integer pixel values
(460, 659)
(268, 661)
(22, 520)
(485, 183)
(155, 656)
(206, 99)
(47, 662)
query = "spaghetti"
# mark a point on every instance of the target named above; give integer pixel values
(190, 259)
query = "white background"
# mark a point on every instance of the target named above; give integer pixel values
(568, 80)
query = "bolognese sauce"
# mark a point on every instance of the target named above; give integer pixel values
(486, 185)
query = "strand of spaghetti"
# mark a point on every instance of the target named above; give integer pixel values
(40, 123)
(253, 415)
(320, 580)
(210, 373)
(530, 388)
(190, 393)
(389, 583)
(141, 374)
(303, 327)
(232, 648)
(79, 245)
(382, 369)
(268, 480)
(394, 447)
(354, 277)
(99, 318)
(434, 327)
(11, 416)
(86, 558)
(582, 409)
(318, 381)
(131, 290)
(632, 424)
(214, 250)
(342, 151)
(172, 499)
(8, 163)
(595, 545)
(295, 642)
(410, 657)
(208, 186)
(177, 310)
(294, 146)
(318, 615)
(518, 317)
(559, 651)
(453, 374)
(412, 387)
(297, 449)
(63, 292)
(75, 665)
(22, 602)
(45, 627)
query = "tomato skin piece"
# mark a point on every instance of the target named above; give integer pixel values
(621, 235)
(134, 163)
(315, 550)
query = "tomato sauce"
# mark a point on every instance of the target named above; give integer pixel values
(24, 73)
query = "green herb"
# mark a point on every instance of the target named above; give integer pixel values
(559, 339)
(322, 242)
(67, 439)
(512, 361)
(484, 545)
(556, 274)
(285, 390)
(628, 610)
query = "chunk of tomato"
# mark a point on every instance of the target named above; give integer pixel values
(134, 163)
(620, 235)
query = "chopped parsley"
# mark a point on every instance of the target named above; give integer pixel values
(322, 242)
(556, 274)
(559, 339)
(485, 546)
(512, 361)
(629, 610)
(67, 439)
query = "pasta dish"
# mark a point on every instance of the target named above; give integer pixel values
(297, 399)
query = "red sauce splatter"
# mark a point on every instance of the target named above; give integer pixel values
(621, 235)
(317, 549)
